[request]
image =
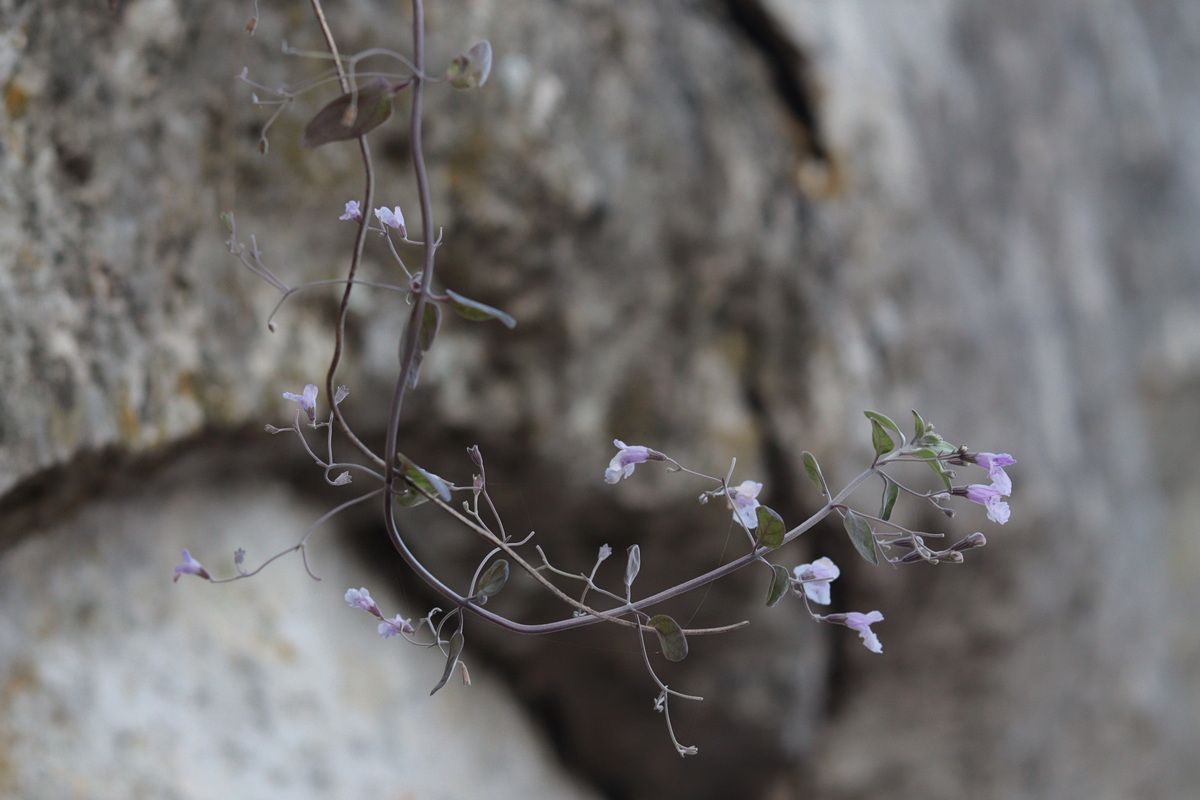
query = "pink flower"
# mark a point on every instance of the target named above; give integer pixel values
(394, 627)
(994, 463)
(625, 460)
(190, 566)
(307, 401)
(816, 577)
(393, 219)
(352, 211)
(862, 623)
(361, 598)
(745, 503)
(989, 498)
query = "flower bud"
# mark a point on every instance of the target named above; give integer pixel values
(976, 539)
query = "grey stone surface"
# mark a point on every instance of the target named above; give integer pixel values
(119, 684)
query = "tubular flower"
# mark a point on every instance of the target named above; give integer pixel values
(816, 577)
(625, 460)
(745, 503)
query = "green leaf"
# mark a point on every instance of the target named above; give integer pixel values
(670, 637)
(478, 312)
(492, 580)
(891, 490)
(771, 529)
(431, 320)
(884, 421)
(780, 582)
(940, 471)
(633, 565)
(350, 115)
(471, 69)
(880, 439)
(456, 646)
(931, 445)
(426, 480)
(919, 426)
(861, 537)
(930, 456)
(814, 471)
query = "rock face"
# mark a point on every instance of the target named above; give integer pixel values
(118, 685)
(725, 228)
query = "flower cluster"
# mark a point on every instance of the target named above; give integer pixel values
(392, 217)
(990, 496)
(815, 578)
(396, 626)
(811, 581)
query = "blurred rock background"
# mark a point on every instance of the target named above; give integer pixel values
(725, 227)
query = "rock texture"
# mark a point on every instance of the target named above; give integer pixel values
(119, 685)
(724, 228)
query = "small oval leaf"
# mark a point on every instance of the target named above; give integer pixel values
(633, 565)
(426, 480)
(670, 637)
(884, 421)
(891, 490)
(861, 537)
(880, 439)
(350, 115)
(492, 580)
(478, 312)
(780, 581)
(814, 471)
(771, 529)
(919, 426)
(456, 646)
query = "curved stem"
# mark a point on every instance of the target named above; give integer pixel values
(360, 241)
(612, 614)
(408, 363)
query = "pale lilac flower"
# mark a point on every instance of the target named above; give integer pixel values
(394, 627)
(989, 498)
(361, 598)
(862, 623)
(340, 395)
(343, 479)
(817, 576)
(625, 460)
(190, 566)
(393, 219)
(745, 503)
(995, 463)
(307, 401)
(352, 211)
